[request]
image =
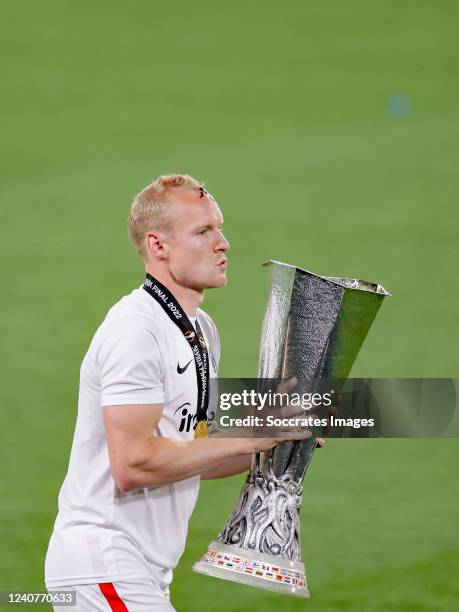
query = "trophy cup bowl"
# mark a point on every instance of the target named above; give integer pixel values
(313, 329)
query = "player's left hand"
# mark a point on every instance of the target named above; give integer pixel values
(288, 411)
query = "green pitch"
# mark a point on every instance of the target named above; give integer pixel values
(328, 132)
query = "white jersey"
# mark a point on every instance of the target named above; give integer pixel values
(137, 356)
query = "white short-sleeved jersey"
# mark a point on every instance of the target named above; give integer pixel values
(137, 356)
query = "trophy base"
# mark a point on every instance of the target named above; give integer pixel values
(255, 569)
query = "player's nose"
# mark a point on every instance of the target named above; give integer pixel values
(223, 244)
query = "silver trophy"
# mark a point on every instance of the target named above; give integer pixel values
(313, 329)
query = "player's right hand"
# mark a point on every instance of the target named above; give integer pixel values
(260, 445)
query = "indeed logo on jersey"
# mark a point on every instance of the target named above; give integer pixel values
(188, 420)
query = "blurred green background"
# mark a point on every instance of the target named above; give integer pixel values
(328, 132)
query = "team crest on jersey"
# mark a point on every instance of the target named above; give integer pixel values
(187, 418)
(189, 335)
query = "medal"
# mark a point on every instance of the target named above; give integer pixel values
(201, 431)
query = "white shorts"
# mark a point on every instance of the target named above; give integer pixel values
(117, 597)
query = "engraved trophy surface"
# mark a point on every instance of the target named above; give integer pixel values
(313, 328)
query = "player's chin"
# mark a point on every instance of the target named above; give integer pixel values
(219, 280)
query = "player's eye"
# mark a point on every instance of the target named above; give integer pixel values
(203, 231)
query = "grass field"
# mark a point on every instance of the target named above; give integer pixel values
(289, 113)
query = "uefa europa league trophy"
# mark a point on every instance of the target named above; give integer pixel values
(313, 329)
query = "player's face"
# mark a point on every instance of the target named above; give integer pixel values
(196, 252)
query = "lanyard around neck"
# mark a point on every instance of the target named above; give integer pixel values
(195, 339)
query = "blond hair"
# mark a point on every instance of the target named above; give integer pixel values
(151, 208)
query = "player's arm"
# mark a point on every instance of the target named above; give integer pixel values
(228, 467)
(235, 465)
(140, 459)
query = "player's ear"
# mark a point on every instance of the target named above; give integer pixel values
(156, 245)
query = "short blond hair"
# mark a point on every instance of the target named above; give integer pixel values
(151, 208)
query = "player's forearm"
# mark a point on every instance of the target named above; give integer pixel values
(162, 461)
(229, 467)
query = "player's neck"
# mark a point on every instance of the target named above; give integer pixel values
(189, 299)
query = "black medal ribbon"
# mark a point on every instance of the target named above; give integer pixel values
(195, 339)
